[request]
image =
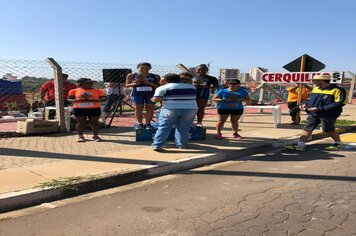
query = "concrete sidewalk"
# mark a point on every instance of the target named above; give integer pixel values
(28, 162)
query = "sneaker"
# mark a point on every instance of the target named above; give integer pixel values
(336, 146)
(81, 140)
(199, 125)
(156, 149)
(295, 147)
(237, 136)
(149, 126)
(218, 136)
(140, 126)
(96, 138)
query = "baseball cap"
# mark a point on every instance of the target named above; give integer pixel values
(84, 80)
(321, 77)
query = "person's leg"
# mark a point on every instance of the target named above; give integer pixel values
(167, 119)
(328, 125)
(311, 123)
(81, 122)
(183, 125)
(139, 104)
(139, 113)
(94, 123)
(234, 119)
(220, 124)
(149, 112)
(201, 102)
(335, 136)
(305, 135)
(292, 110)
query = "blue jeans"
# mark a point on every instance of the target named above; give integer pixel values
(182, 119)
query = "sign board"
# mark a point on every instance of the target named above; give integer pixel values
(299, 77)
(310, 64)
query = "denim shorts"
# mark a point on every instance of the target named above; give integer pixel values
(139, 100)
(327, 124)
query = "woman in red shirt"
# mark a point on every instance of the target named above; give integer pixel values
(86, 103)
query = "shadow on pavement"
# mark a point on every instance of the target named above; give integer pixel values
(273, 175)
(315, 152)
(61, 156)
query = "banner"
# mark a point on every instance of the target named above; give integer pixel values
(299, 77)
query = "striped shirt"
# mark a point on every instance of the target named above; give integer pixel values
(177, 96)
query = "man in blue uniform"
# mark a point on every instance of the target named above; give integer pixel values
(324, 106)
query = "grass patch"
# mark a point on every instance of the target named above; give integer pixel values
(344, 123)
(340, 123)
(64, 183)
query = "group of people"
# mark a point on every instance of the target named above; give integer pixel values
(184, 97)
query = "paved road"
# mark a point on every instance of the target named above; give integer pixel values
(277, 193)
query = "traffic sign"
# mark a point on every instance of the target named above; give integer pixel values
(311, 64)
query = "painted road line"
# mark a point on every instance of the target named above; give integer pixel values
(349, 138)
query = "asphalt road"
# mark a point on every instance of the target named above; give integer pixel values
(278, 193)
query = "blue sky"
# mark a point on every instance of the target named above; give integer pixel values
(228, 33)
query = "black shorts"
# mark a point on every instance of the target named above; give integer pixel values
(327, 124)
(89, 112)
(234, 112)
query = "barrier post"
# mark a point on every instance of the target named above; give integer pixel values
(58, 92)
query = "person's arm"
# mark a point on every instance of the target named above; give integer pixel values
(154, 85)
(159, 94)
(129, 82)
(217, 98)
(71, 98)
(247, 100)
(43, 91)
(103, 98)
(156, 99)
(215, 85)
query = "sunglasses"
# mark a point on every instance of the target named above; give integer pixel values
(233, 83)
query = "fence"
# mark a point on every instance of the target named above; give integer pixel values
(19, 91)
(22, 80)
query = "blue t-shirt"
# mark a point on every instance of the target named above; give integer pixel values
(232, 100)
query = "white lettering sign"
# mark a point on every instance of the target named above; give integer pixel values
(299, 77)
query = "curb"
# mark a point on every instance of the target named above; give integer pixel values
(35, 196)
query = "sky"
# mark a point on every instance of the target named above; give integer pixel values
(226, 33)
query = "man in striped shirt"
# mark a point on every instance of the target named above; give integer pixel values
(178, 110)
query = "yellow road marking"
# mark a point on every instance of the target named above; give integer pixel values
(349, 138)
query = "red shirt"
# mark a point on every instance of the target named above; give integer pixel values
(48, 88)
